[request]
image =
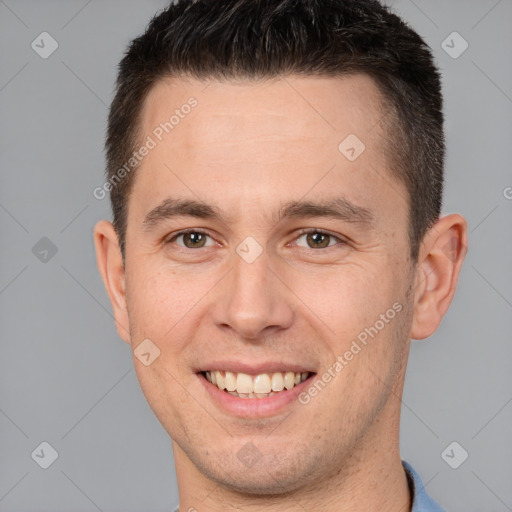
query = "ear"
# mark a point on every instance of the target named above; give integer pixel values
(110, 265)
(440, 259)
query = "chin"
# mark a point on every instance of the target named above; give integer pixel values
(270, 475)
(260, 483)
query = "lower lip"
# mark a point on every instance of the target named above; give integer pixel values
(255, 407)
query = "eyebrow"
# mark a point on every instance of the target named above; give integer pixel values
(337, 208)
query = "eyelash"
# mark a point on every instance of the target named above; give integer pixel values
(301, 233)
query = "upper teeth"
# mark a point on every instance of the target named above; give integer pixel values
(262, 383)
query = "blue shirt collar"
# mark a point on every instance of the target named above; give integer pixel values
(421, 501)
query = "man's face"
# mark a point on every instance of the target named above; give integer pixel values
(248, 292)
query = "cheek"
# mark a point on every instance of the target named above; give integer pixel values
(158, 299)
(347, 299)
(362, 314)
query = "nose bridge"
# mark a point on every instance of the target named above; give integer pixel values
(253, 299)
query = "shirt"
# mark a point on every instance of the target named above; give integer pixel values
(421, 501)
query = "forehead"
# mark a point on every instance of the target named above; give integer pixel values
(309, 107)
(247, 144)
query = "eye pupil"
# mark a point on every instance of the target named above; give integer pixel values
(196, 239)
(319, 239)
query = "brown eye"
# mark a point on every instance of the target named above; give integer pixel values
(194, 239)
(316, 239)
(191, 239)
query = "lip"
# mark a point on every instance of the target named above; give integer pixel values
(254, 407)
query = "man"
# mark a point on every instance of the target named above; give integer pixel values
(275, 169)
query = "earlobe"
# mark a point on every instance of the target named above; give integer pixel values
(440, 260)
(110, 265)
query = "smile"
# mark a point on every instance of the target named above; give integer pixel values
(263, 385)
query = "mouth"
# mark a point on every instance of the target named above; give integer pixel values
(262, 385)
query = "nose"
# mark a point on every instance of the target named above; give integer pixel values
(252, 300)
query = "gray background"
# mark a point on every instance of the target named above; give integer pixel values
(65, 376)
